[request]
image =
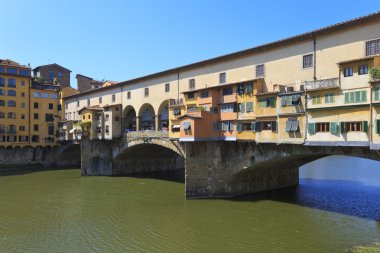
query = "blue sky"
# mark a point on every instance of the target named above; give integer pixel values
(120, 40)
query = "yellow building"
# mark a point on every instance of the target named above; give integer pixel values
(14, 103)
(44, 114)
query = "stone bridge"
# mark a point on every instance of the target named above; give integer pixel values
(212, 169)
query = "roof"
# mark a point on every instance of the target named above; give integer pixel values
(105, 106)
(91, 108)
(190, 116)
(54, 64)
(12, 63)
(356, 60)
(262, 48)
(221, 85)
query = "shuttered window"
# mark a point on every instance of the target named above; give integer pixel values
(355, 97)
(311, 128)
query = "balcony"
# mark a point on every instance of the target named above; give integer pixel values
(175, 102)
(322, 84)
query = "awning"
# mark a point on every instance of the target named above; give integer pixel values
(294, 127)
(186, 125)
(72, 130)
(288, 126)
(296, 98)
(176, 126)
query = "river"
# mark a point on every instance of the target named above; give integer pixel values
(335, 207)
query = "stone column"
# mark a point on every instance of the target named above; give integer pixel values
(157, 121)
(137, 123)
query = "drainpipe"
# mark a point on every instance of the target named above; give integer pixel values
(315, 57)
(177, 84)
(370, 116)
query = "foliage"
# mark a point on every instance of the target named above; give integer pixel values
(83, 124)
(374, 73)
(201, 109)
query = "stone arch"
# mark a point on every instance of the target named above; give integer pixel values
(142, 156)
(147, 117)
(70, 154)
(129, 119)
(163, 115)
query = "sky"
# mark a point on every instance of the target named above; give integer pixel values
(121, 40)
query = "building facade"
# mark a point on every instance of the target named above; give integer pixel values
(311, 89)
(53, 73)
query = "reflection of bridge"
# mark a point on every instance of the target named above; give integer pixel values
(212, 169)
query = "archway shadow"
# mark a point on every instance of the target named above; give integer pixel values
(340, 196)
(28, 169)
(177, 176)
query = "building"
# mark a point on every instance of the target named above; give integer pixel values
(312, 89)
(53, 73)
(14, 103)
(85, 83)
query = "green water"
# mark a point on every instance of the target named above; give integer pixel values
(60, 211)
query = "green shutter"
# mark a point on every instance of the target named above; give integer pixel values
(311, 128)
(357, 96)
(235, 107)
(342, 128)
(239, 127)
(333, 128)
(352, 97)
(364, 96)
(346, 98)
(378, 126)
(274, 126)
(365, 126)
(377, 94)
(272, 102)
(253, 126)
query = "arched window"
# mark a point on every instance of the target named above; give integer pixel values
(11, 103)
(12, 82)
(11, 115)
(2, 103)
(2, 82)
(12, 93)
(2, 115)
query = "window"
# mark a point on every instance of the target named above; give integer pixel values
(35, 105)
(372, 47)
(307, 61)
(117, 118)
(322, 127)
(107, 117)
(12, 82)
(128, 95)
(60, 74)
(44, 95)
(146, 92)
(2, 70)
(329, 98)
(228, 107)
(260, 71)
(107, 130)
(355, 97)
(12, 71)
(358, 126)
(2, 82)
(2, 115)
(316, 100)
(363, 69)
(225, 125)
(241, 107)
(376, 91)
(35, 127)
(23, 94)
(23, 138)
(190, 95)
(22, 116)
(22, 105)
(36, 94)
(100, 100)
(23, 83)
(24, 72)
(113, 98)
(51, 75)
(36, 116)
(2, 103)
(2, 92)
(89, 116)
(53, 96)
(290, 100)
(292, 125)
(35, 138)
(11, 138)
(204, 94)
(241, 88)
(12, 93)
(191, 84)
(267, 102)
(51, 106)
(266, 125)
(249, 107)
(227, 91)
(348, 71)
(88, 102)
(249, 88)
(167, 87)
(51, 130)
(222, 77)
(11, 115)
(11, 103)
(22, 128)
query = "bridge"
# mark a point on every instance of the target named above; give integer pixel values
(212, 168)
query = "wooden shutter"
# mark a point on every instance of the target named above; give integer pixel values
(311, 128)
(365, 126)
(333, 128)
(346, 98)
(253, 126)
(274, 126)
(273, 102)
(378, 126)
(239, 127)
(342, 127)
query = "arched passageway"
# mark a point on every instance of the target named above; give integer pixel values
(146, 117)
(129, 119)
(163, 116)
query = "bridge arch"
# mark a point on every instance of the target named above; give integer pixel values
(129, 119)
(146, 117)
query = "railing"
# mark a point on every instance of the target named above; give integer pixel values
(174, 102)
(146, 134)
(322, 84)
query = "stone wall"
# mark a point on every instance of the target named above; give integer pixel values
(64, 155)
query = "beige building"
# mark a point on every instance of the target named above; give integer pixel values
(313, 62)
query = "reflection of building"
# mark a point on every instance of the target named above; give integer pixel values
(311, 89)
